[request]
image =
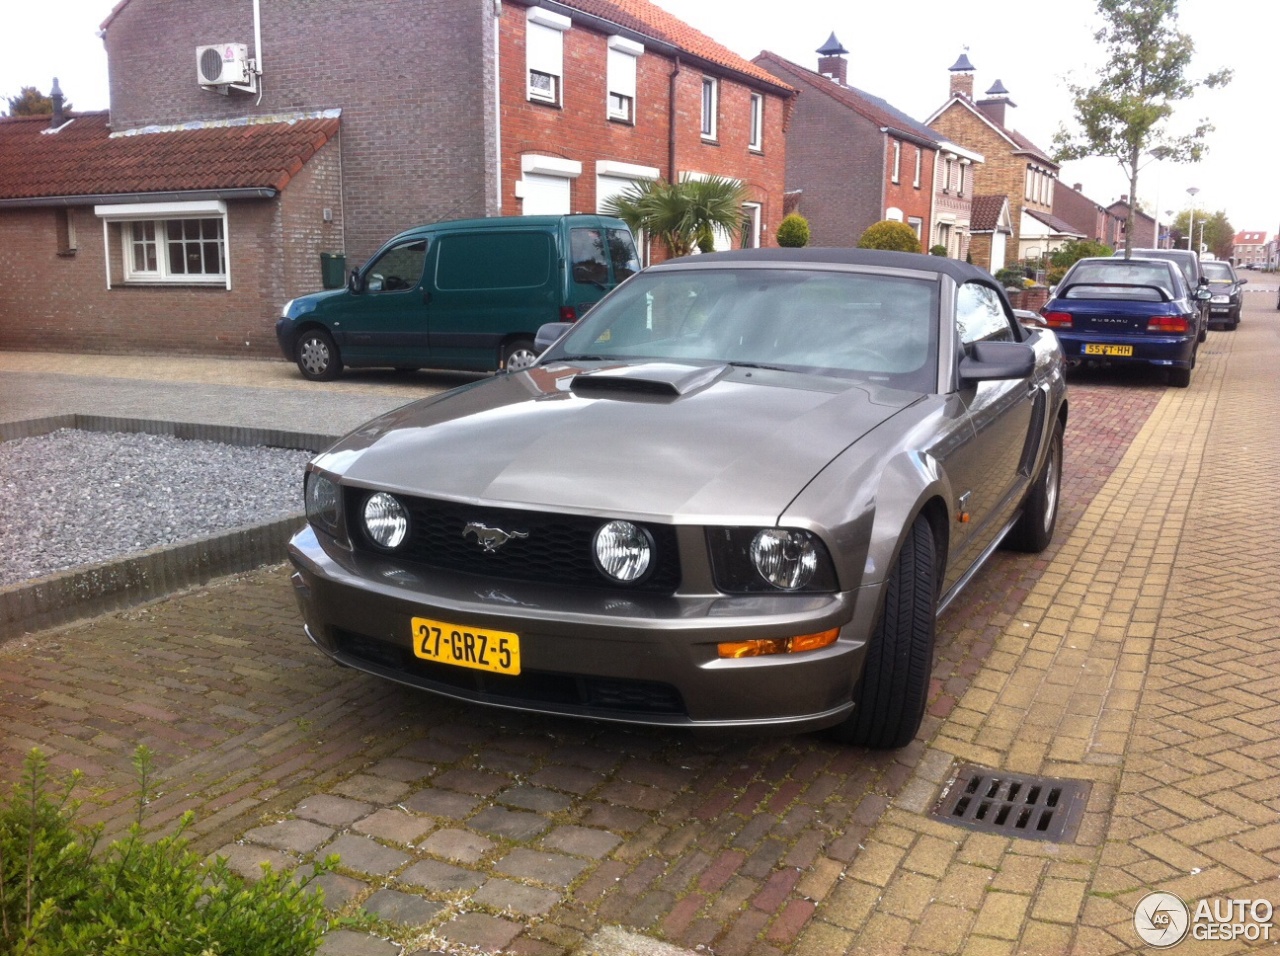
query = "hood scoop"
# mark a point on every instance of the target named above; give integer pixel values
(653, 380)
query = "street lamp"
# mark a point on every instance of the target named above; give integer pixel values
(1191, 223)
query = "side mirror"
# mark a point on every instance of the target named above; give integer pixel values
(547, 335)
(997, 361)
(353, 282)
(1243, 281)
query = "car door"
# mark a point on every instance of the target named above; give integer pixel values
(991, 473)
(386, 322)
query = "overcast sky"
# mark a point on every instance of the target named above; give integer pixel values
(1035, 49)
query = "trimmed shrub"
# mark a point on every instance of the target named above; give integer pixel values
(1011, 277)
(894, 236)
(939, 250)
(793, 231)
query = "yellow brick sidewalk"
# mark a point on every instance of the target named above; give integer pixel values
(1147, 661)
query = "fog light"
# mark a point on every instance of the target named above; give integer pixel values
(385, 520)
(779, 645)
(623, 551)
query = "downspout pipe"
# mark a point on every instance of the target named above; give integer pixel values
(671, 122)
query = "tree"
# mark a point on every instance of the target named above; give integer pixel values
(681, 215)
(31, 102)
(887, 234)
(1125, 114)
(1066, 255)
(1214, 229)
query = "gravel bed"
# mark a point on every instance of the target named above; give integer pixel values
(72, 498)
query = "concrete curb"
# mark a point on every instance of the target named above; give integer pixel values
(89, 591)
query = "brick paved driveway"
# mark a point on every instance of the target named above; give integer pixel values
(493, 830)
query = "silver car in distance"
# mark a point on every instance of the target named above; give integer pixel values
(736, 494)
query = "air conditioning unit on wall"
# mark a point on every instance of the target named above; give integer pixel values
(225, 64)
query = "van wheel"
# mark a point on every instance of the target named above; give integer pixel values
(893, 689)
(518, 354)
(317, 356)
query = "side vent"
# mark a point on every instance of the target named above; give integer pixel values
(225, 65)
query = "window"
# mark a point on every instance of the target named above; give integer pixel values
(916, 223)
(621, 77)
(1026, 190)
(66, 229)
(174, 250)
(544, 54)
(710, 106)
(947, 176)
(398, 269)
(751, 213)
(467, 261)
(897, 160)
(757, 122)
(959, 179)
(980, 316)
(919, 162)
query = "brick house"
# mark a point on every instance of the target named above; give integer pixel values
(1144, 226)
(1086, 216)
(441, 109)
(1249, 250)
(891, 166)
(1013, 166)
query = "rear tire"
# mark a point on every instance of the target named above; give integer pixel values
(891, 694)
(1179, 377)
(518, 354)
(317, 356)
(1034, 529)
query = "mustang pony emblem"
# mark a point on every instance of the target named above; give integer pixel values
(491, 539)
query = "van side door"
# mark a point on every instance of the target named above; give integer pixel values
(488, 288)
(599, 258)
(385, 323)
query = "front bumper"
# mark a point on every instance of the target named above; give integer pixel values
(287, 336)
(632, 658)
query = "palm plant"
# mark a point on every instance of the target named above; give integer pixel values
(681, 215)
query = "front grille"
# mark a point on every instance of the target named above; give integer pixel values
(557, 549)
(531, 688)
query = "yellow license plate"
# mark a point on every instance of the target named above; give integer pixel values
(463, 646)
(1096, 349)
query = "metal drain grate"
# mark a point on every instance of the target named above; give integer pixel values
(1030, 808)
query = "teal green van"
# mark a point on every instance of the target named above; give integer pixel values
(468, 294)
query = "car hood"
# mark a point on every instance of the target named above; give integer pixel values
(718, 444)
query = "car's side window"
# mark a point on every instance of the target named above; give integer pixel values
(399, 268)
(980, 316)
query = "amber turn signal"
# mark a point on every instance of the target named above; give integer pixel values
(779, 645)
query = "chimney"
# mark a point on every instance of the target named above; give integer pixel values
(831, 61)
(58, 116)
(995, 103)
(962, 77)
(1078, 187)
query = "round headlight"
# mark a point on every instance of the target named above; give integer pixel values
(623, 551)
(322, 500)
(786, 559)
(385, 520)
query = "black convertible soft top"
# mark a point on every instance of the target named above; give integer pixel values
(960, 271)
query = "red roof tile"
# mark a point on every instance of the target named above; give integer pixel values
(82, 159)
(985, 214)
(649, 19)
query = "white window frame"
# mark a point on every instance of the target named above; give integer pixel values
(161, 213)
(916, 223)
(960, 178)
(919, 163)
(710, 108)
(897, 162)
(753, 212)
(756, 141)
(544, 55)
(622, 56)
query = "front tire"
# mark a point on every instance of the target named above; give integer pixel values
(894, 687)
(317, 355)
(1034, 529)
(518, 354)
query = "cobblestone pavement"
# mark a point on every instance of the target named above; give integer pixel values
(1138, 653)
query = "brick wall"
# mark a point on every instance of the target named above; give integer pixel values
(53, 302)
(410, 77)
(914, 201)
(578, 128)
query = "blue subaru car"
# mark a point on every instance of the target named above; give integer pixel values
(1127, 311)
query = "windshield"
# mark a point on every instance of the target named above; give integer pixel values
(1217, 271)
(852, 325)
